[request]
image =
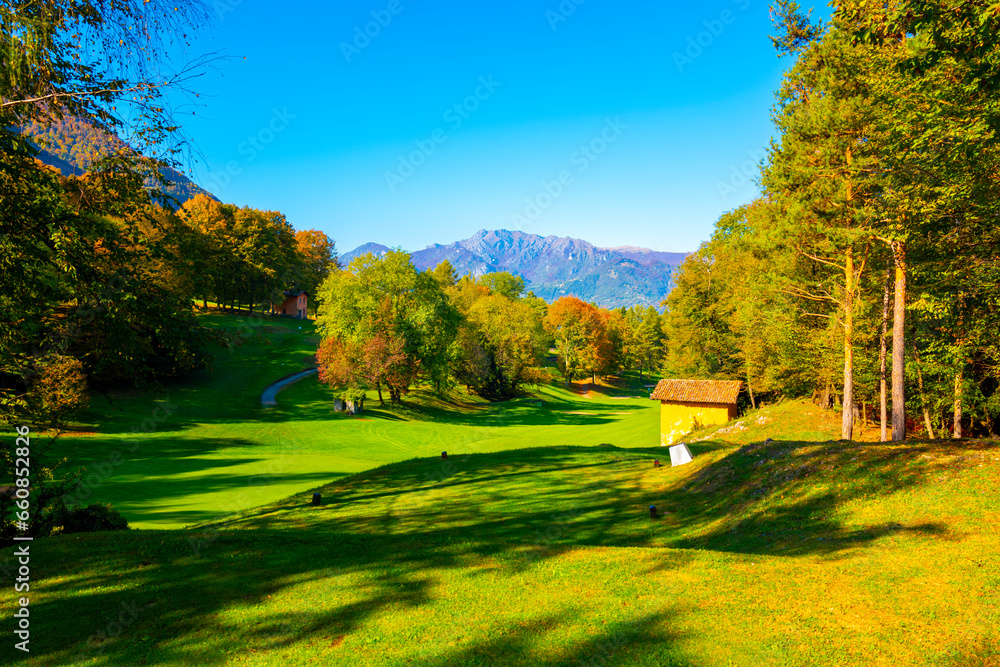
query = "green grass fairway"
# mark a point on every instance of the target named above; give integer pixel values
(530, 545)
(791, 553)
(205, 447)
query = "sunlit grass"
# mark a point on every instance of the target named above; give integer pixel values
(218, 450)
(531, 544)
(548, 556)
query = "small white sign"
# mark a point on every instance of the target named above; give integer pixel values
(679, 455)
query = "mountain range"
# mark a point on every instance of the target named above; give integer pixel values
(554, 266)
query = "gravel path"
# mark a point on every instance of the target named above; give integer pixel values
(270, 394)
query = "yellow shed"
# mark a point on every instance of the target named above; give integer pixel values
(688, 404)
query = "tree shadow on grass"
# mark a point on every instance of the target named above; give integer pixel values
(642, 641)
(173, 454)
(186, 592)
(782, 497)
(551, 408)
(166, 470)
(562, 413)
(181, 583)
(770, 499)
(177, 407)
(207, 590)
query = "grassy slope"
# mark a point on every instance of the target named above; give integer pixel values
(219, 451)
(800, 551)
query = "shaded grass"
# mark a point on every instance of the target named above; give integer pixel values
(530, 545)
(854, 554)
(205, 446)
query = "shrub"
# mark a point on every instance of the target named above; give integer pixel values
(92, 518)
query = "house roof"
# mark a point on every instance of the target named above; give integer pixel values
(293, 293)
(697, 391)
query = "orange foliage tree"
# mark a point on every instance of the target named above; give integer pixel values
(583, 342)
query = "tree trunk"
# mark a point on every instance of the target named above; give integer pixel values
(898, 342)
(883, 387)
(753, 401)
(957, 431)
(378, 388)
(847, 421)
(920, 389)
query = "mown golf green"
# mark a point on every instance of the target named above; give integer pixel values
(205, 447)
(531, 544)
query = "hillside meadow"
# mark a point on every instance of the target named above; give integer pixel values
(530, 545)
(205, 446)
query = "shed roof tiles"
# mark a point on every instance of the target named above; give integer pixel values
(697, 391)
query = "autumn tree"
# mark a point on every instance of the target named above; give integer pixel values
(444, 273)
(501, 337)
(397, 320)
(581, 333)
(730, 317)
(317, 255)
(98, 61)
(503, 283)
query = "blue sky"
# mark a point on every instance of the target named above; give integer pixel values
(411, 122)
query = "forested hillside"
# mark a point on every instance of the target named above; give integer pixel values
(867, 274)
(74, 146)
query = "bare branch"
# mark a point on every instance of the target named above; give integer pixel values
(820, 259)
(812, 297)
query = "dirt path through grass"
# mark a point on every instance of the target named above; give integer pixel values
(269, 396)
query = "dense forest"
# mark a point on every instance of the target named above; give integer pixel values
(867, 273)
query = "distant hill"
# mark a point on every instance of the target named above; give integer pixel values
(72, 146)
(374, 248)
(557, 266)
